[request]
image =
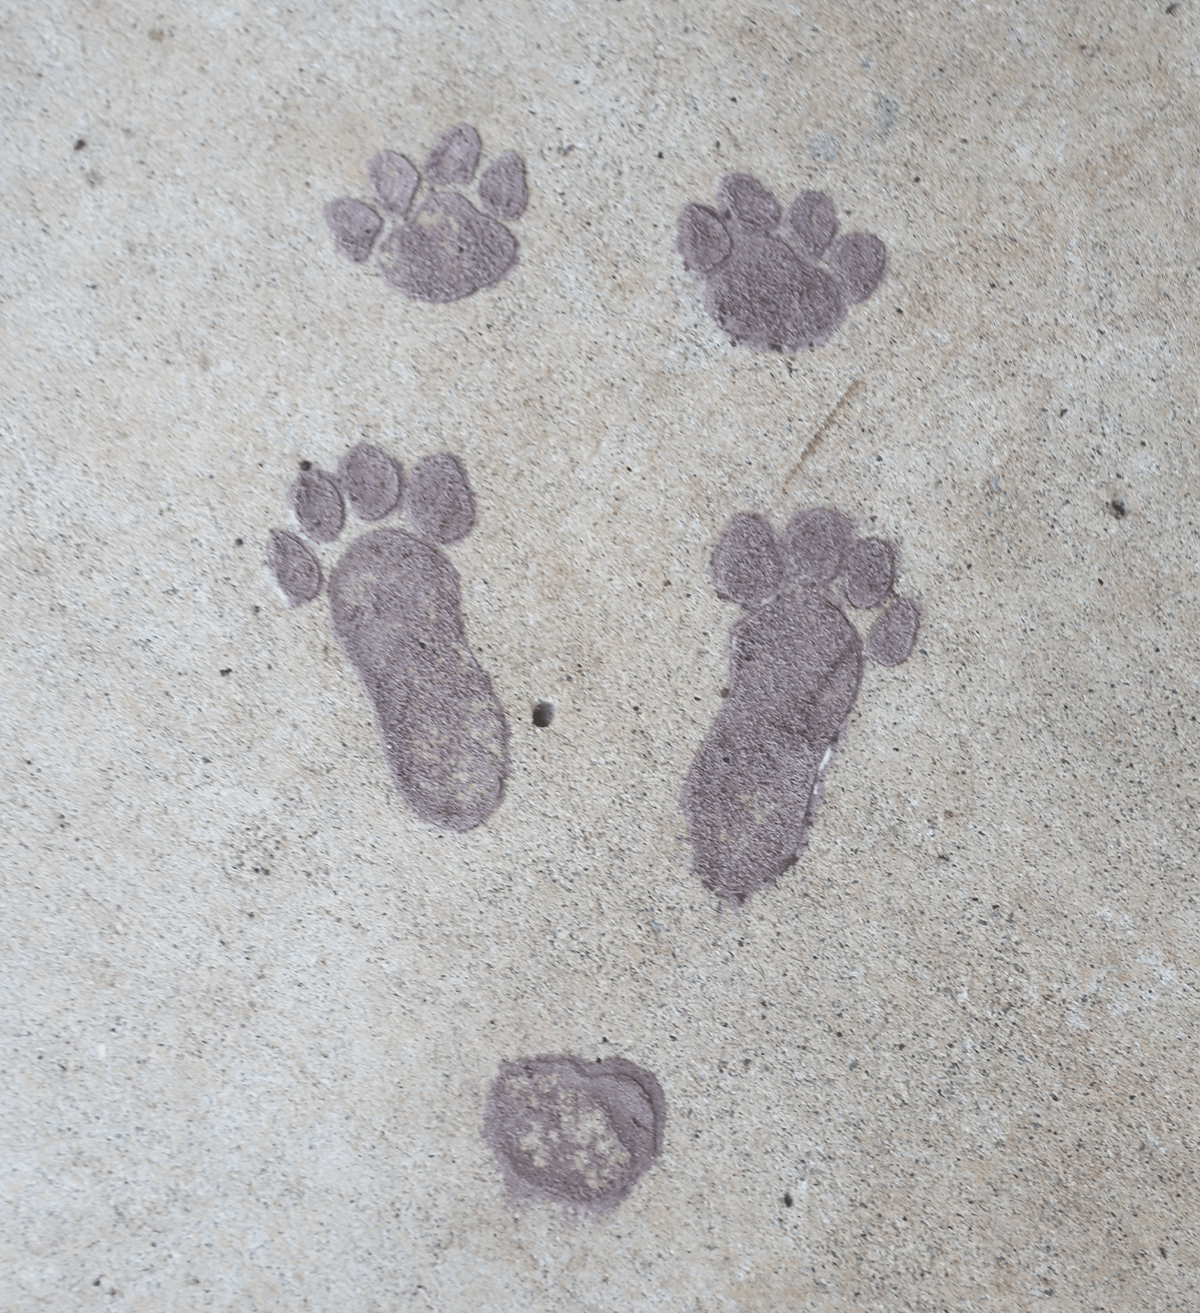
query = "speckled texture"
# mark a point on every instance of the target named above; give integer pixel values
(371, 480)
(317, 503)
(762, 283)
(575, 1132)
(447, 249)
(353, 225)
(252, 1005)
(396, 608)
(294, 565)
(503, 189)
(395, 180)
(794, 666)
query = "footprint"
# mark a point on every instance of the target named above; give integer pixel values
(446, 249)
(394, 603)
(764, 284)
(795, 665)
(579, 1133)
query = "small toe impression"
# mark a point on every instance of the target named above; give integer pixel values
(857, 261)
(395, 181)
(371, 481)
(701, 240)
(297, 571)
(814, 545)
(748, 201)
(745, 562)
(870, 572)
(502, 188)
(453, 157)
(438, 499)
(353, 226)
(813, 222)
(891, 638)
(317, 503)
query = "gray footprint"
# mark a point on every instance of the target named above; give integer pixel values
(795, 666)
(575, 1132)
(447, 249)
(772, 285)
(395, 607)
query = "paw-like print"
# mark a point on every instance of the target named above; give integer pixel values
(395, 607)
(772, 285)
(574, 1132)
(795, 667)
(446, 249)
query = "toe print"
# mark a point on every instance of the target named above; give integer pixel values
(574, 1132)
(316, 501)
(776, 282)
(502, 188)
(795, 667)
(446, 249)
(394, 603)
(395, 182)
(454, 157)
(354, 226)
(296, 569)
(371, 481)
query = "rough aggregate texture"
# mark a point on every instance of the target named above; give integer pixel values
(395, 180)
(353, 225)
(447, 251)
(296, 569)
(765, 288)
(252, 1005)
(438, 499)
(396, 609)
(795, 666)
(316, 501)
(371, 480)
(575, 1132)
(502, 188)
(453, 157)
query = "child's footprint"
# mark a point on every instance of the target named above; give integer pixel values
(447, 249)
(394, 603)
(579, 1133)
(795, 665)
(763, 283)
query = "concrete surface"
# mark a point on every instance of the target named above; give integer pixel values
(252, 1006)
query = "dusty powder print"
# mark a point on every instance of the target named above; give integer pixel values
(394, 603)
(445, 249)
(576, 1132)
(795, 663)
(774, 281)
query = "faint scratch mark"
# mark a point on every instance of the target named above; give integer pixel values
(826, 424)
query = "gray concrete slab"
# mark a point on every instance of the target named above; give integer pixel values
(253, 1005)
